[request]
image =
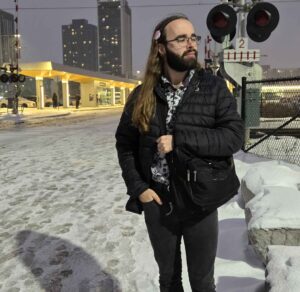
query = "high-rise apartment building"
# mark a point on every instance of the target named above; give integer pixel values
(7, 38)
(115, 40)
(80, 45)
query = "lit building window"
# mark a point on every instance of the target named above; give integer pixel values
(82, 65)
(90, 42)
(107, 27)
(84, 42)
(81, 26)
(103, 19)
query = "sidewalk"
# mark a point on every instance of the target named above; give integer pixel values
(30, 116)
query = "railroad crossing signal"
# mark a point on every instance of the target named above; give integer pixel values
(12, 78)
(262, 19)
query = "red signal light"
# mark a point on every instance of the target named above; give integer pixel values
(262, 18)
(4, 78)
(13, 78)
(220, 20)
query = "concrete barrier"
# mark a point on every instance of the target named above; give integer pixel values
(261, 238)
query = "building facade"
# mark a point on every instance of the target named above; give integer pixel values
(115, 37)
(7, 38)
(80, 45)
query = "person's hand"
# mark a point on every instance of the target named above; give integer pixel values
(165, 144)
(148, 196)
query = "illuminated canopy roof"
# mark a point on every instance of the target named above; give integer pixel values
(49, 69)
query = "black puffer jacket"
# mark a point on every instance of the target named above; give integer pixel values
(207, 127)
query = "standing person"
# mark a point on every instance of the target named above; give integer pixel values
(175, 142)
(77, 102)
(54, 100)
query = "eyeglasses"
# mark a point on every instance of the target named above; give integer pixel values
(183, 40)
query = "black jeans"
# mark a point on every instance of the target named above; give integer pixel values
(200, 235)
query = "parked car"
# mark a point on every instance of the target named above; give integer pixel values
(23, 102)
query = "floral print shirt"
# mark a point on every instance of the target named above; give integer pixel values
(159, 167)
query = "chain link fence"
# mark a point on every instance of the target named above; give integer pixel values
(271, 112)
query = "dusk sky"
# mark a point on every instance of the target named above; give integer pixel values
(40, 29)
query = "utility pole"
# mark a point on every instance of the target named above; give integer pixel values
(17, 48)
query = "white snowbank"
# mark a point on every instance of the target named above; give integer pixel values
(277, 199)
(275, 207)
(284, 268)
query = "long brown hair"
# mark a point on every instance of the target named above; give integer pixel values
(145, 104)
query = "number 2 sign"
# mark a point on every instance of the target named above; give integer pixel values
(241, 44)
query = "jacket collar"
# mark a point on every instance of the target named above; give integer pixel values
(183, 84)
(159, 89)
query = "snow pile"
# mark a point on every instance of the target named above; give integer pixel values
(277, 196)
(283, 268)
(271, 195)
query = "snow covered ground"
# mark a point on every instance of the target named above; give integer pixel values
(63, 226)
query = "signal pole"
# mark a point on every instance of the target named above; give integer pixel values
(242, 34)
(242, 20)
(238, 63)
(17, 47)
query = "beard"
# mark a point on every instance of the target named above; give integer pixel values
(178, 63)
